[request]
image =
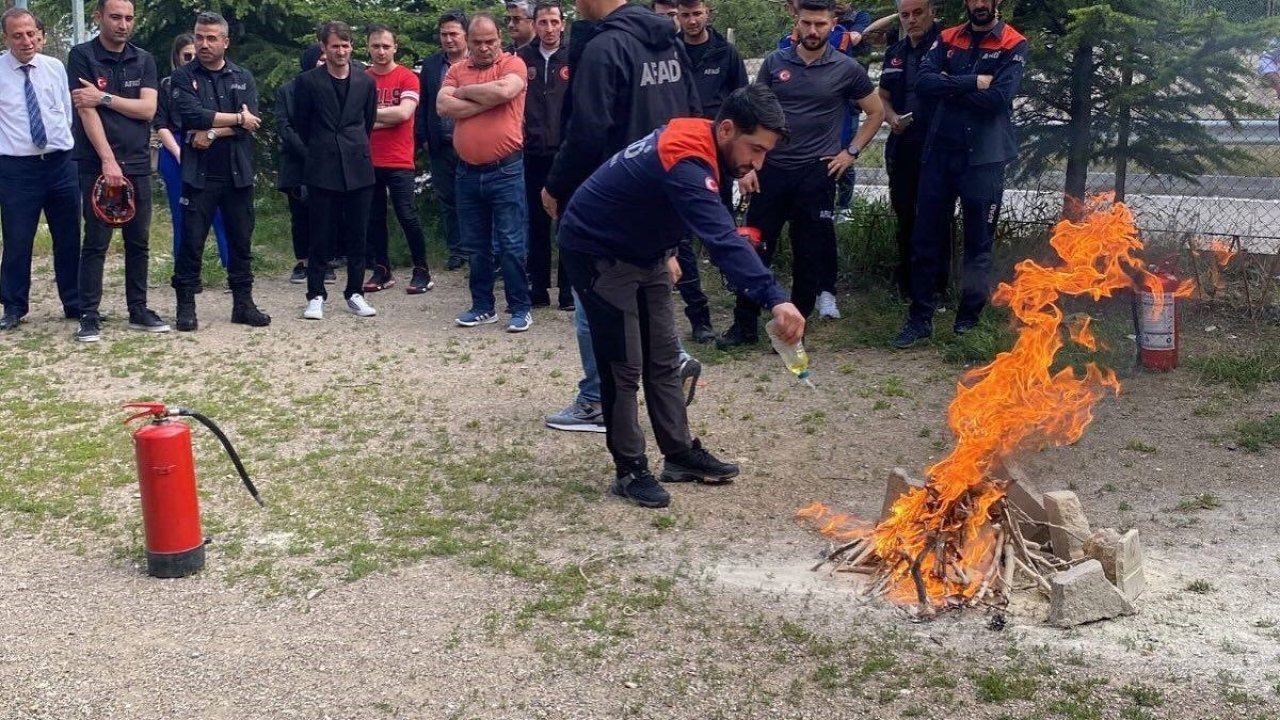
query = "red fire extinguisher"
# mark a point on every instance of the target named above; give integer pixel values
(1158, 323)
(167, 481)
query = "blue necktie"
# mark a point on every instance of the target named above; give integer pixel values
(33, 110)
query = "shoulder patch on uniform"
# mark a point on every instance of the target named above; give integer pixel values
(712, 185)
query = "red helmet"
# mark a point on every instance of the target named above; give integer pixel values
(114, 206)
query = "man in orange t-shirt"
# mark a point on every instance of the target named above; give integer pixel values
(485, 95)
(391, 145)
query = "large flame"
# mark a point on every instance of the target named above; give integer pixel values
(943, 532)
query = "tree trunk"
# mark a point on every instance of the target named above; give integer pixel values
(1125, 126)
(1079, 139)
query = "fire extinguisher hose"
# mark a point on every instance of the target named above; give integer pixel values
(226, 443)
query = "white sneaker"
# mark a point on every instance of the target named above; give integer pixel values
(357, 304)
(827, 306)
(315, 309)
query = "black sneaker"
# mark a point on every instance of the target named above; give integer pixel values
(421, 281)
(90, 329)
(690, 371)
(698, 465)
(703, 334)
(147, 320)
(566, 300)
(737, 336)
(963, 326)
(640, 487)
(910, 334)
(299, 274)
(9, 322)
(455, 262)
(379, 279)
(539, 298)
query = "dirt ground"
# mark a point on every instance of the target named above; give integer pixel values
(551, 599)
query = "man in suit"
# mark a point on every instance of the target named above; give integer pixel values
(435, 133)
(36, 169)
(217, 101)
(337, 109)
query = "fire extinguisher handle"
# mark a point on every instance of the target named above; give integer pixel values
(226, 444)
(150, 409)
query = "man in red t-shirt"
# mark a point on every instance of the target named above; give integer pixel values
(392, 149)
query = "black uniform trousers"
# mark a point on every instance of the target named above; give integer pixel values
(904, 192)
(199, 207)
(803, 197)
(536, 169)
(97, 237)
(945, 176)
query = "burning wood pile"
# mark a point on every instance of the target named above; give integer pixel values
(974, 530)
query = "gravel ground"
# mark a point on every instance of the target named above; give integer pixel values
(743, 630)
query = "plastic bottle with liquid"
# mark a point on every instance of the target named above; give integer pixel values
(793, 356)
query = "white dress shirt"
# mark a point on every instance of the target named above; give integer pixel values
(50, 80)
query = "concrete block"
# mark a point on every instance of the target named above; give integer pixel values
(1063, 510)
(898, 483)
(1130, 579)
(1026, 497)
(1083, 595)
(1102, 546)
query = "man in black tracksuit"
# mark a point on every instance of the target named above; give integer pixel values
(547, 59)
(627, 75)
(908, 114)
(218, 103)
(717, 71)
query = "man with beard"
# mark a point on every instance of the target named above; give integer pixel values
(814, 83)
(615, 238)
(973, 71)
(908, 115)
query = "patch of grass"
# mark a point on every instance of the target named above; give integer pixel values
(1203, 501)
(1139, 446)
(1256, 433)
(1200, 586)
(1143, 695)
(996, 686)
(1244, 372)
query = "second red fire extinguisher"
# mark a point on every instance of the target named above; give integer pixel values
(1158, 323)
(174, 539)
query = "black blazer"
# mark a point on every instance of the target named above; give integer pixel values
(427, 126)
(293, 152)
(337, 139)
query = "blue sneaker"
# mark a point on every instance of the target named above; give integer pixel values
(472, 318)
(520, 322)
(910, 334)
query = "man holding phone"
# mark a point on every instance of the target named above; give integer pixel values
(908, 115)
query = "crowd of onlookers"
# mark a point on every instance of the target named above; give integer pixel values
(513, 128)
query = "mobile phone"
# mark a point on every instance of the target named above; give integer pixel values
(905, 119)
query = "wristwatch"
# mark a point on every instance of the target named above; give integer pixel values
(106, 100)
(211, 134)
(853, 150)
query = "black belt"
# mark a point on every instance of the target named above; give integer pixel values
(513, 157)
(49, 155)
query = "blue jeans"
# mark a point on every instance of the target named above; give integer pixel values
(171, 173)
(492, 214)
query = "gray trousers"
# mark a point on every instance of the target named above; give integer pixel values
(633, 333)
